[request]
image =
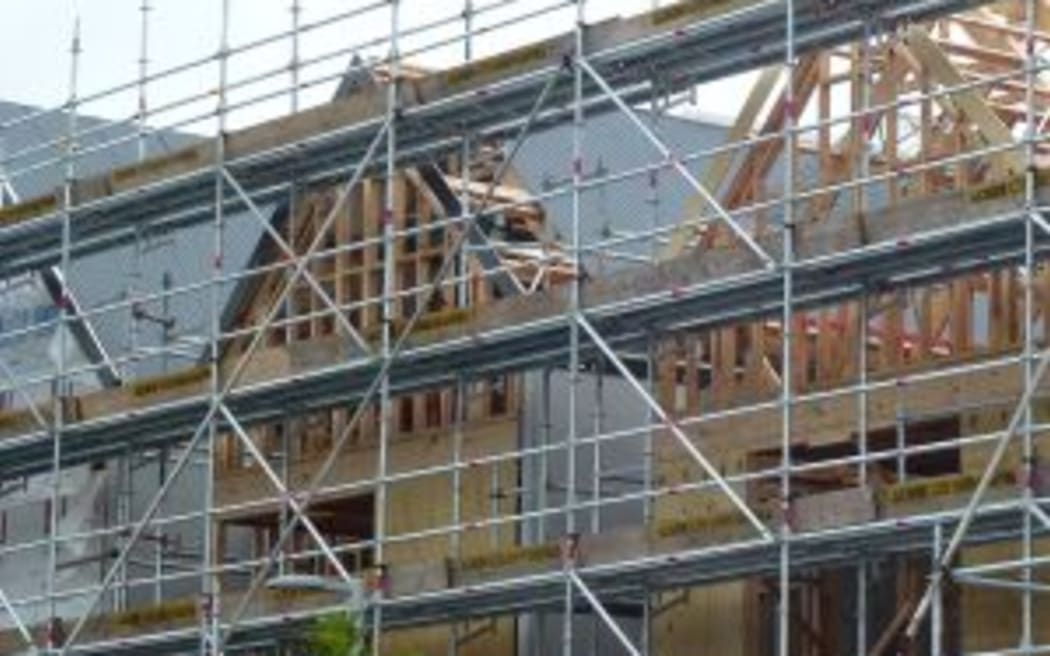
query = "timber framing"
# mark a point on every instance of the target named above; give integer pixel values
(835, 346)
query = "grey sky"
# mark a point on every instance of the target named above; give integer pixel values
(37, 38)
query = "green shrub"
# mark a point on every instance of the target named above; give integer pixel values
(336, 634)
(339, 634)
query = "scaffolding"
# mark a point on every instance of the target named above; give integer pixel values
(756, 284)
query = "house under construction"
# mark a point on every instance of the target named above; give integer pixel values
(518, 355)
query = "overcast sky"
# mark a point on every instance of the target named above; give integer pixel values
(35, 47)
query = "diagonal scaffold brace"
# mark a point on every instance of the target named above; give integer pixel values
(309, 493)
(676, 431)
(201, 431)
(970, 513)
(676, 162)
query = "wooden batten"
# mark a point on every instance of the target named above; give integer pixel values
(912, 334)
(421, 423)
(964, 320)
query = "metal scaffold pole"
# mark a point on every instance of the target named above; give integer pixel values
(231, 622)
(7, 195)
(211, 589)
(542, 486)
(787, 330)
(1028, 453)
(60, 388)
(459, 412)
(648, 476)
(291, 238)
(468, 31)
(863, 466)
(125, 462)
(296, 63)
(142, 144)
(598, 415)
(575, 292)
(387, 353)
(674, 427)
(761, 390)
(596, 473)
(310, 491)
(461, 293)
(937, 614)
